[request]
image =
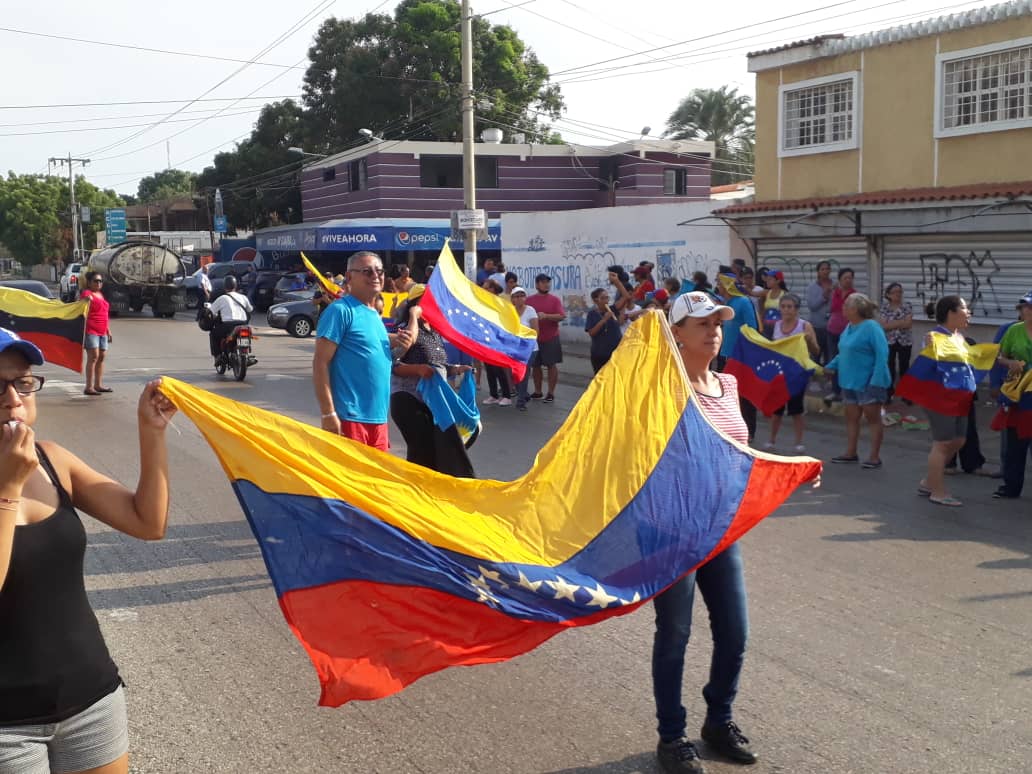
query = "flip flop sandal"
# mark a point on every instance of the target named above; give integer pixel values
(948, 500)
(924, 491)
(104, 389)
(90, 392)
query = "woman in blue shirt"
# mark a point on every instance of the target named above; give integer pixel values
(862, 364)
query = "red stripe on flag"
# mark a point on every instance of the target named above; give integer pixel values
(410, 632)
(768, 397)
(439, 321)
(57, 350)
(933, 396)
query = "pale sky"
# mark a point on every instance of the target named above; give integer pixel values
(700, 45)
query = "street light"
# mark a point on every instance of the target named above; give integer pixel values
(304, 152)
(368, 134)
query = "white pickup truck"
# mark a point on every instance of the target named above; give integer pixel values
(71, 282)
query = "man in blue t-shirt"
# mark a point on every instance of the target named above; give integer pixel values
(351, 370)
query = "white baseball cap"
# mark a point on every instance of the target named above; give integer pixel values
(518, 289)
(698, 304)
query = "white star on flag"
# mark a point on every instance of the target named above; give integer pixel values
(526, 583)
(599, 597)
(492, 575)
(562, 589)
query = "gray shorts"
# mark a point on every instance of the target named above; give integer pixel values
(95, 737)
(549, 353)
(946, 428)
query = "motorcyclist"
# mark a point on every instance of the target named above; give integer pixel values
(230, 310)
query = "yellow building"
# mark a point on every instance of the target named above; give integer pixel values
(905, 154)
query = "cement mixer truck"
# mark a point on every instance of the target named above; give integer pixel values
(139, 274)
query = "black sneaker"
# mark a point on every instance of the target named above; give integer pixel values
(536, 396)
(729, 741)
(1001, 494)
(679, 757)
(549, 398)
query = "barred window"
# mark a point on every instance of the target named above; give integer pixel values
(991, 90)
(819, 116)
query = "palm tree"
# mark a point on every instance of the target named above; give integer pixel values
(724, 117)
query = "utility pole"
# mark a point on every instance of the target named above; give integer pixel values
(71, 186)
(469, 179)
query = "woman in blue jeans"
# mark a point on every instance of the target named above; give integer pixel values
(696, 326)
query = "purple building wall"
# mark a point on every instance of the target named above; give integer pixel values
(533, 184)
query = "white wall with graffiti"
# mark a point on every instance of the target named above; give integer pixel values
(575, 248)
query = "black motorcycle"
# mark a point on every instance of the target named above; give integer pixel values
(236, 352)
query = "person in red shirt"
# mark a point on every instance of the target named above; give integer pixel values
(643, 276)
(550, 352)
(98, 334)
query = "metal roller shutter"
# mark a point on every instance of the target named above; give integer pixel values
(990, 271)
(798, 259)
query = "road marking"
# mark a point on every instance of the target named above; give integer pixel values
(122, 614)
(283, 377)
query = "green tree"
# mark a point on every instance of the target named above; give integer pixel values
(166, 184)
(35, 215)
(259, 179)
(724, 117)
(403, 73)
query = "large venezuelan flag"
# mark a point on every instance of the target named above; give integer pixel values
(58, 329)
(475, 320)
(770, 372)
(386, 571)
(945, 375)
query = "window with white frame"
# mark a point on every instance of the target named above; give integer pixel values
(985, 89)
(819, 115)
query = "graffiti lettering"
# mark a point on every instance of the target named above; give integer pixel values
(970, 276)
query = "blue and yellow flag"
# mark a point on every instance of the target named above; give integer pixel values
(387, 571)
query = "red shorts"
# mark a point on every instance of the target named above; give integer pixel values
(371, 435)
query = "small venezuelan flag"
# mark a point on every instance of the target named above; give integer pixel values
(1016, 411)
(475, 320)
(944, 376)
(58, 329)
(770, 372)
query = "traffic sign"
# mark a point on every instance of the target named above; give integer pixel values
(114, 225)
(471, 220)
(221, 226)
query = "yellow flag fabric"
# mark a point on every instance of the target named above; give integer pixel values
(328, 285)
(790, 346)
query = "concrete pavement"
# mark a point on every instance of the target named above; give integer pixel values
(887, 634)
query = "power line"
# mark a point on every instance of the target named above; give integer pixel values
(146, 49)
(320, 6)
(249, 111)
(707, 36)
(140, 102)
(713, 49)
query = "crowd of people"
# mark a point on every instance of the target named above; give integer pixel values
(61, 701)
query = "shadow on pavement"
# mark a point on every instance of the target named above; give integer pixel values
(642, 763)
(184, 545)
(172, 593)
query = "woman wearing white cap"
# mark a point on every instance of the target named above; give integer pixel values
(529, 318)
(695, 321)
(61, 703)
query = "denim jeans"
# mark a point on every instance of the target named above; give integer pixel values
(522, 389)
(1014, 462)
(722, 584)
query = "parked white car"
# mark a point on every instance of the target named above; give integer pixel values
(71, 282)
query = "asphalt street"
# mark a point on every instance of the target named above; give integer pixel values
(887, 634)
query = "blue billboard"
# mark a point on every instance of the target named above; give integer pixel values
(341, 236)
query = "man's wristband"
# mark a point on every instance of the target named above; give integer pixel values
(331, 414)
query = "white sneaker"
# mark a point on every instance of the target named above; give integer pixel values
(505, 402)
(800, 448)
(490, 401)
(768, 446)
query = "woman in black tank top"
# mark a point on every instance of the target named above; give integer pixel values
(53, 660)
